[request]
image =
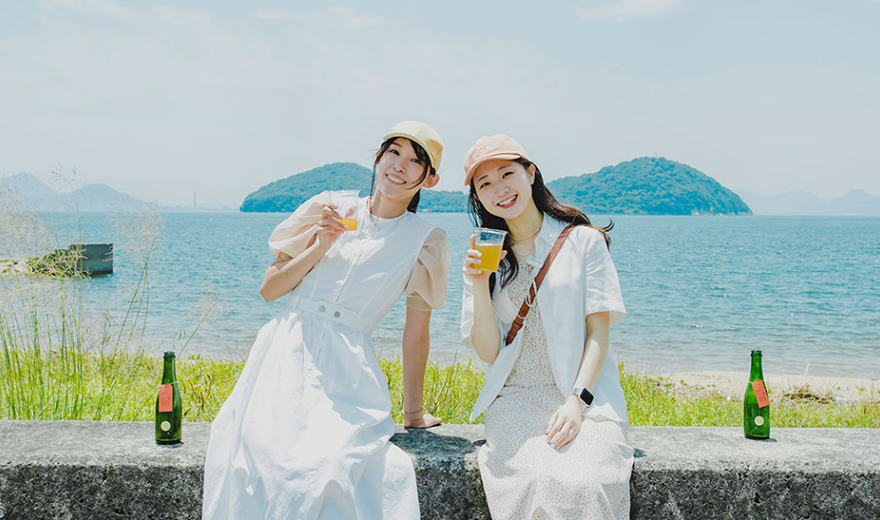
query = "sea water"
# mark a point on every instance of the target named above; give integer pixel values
(701, 292)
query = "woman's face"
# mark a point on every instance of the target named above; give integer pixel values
(504, 187)
(399, 170)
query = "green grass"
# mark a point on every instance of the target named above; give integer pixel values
(72, 384)
(450, 391)
(655, 401)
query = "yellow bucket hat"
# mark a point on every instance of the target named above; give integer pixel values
(421, 133)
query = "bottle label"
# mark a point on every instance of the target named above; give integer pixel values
(761, 393)
(165, 426)
(759, 421)
(166, 398)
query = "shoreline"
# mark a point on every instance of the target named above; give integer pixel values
(732, 384)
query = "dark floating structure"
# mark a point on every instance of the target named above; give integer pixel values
(94, 259)
(77, 260)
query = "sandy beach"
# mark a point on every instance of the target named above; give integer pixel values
(733, 384)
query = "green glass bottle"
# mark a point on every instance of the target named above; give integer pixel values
(756, 404)
(169, 409)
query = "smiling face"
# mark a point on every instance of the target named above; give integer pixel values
(400, 171)
(504, 187)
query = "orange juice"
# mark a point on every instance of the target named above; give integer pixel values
(352, 223)
(491, 256)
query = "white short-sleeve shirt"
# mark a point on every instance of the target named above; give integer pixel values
(581, 281)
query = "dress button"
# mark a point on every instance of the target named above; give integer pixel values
(336, 314)
(322, 308)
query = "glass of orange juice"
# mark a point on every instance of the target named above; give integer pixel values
(347, 200)
(489, 242)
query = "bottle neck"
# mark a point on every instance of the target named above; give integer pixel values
(168, 374)
(757, 372)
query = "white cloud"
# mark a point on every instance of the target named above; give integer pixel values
(620, 10)
(188, 19)
(271, 15)
(354, 20)
(107, 8)
(345, 17)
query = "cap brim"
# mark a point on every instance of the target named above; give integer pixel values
(415, 139)
(473, 168)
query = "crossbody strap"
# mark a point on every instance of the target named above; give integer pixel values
(533, 290)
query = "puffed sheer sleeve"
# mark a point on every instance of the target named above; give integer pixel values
(292, 236)
(426, 288)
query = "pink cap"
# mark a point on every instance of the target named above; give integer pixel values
(490, 147)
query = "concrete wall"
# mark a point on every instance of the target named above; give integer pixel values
(89, 470)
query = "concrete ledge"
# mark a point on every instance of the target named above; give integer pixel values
(83, 470)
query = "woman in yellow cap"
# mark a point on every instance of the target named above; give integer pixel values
(555, 412)
(305, 432)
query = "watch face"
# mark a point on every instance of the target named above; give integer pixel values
(586, 396)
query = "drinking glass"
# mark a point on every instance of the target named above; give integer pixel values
(489, 242)
(347, 200)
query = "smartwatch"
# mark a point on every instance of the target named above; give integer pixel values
(584, 395)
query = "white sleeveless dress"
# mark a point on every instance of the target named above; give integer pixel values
(304, 434)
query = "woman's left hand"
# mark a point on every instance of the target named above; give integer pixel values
(565, 423)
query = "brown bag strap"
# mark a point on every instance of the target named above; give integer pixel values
(533, 290)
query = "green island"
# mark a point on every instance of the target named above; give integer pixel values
(286, 194)
(642, 186)
(649, 186)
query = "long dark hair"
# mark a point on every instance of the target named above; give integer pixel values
(421, 154)
(546, 203)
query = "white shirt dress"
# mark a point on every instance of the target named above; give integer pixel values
(305, 432)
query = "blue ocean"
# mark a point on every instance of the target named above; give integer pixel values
(701, 292)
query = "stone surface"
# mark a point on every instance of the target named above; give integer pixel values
(91, 470)
(716, 473)
(447, 470)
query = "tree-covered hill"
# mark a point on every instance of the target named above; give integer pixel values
(643, 186)
(648, 186)
(286, 194)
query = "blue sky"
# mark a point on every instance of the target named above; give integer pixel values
(163, 99)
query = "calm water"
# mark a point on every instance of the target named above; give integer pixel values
(701, 292)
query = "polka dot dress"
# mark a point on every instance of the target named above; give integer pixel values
(523, 476)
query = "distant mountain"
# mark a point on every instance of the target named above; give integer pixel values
(855, 202)
(28, 186)
(288, 193)
(644, 186)
(36, 196)
(648, 186)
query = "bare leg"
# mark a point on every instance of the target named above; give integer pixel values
(416, 344)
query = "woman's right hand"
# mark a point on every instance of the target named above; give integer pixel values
(329, 227)
(472, 261)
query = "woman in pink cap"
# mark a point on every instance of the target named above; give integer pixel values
(555, 413)
(305, 432)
